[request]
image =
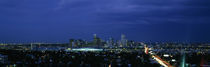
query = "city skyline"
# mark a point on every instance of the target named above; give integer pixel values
(122, 39)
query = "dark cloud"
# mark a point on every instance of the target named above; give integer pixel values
(55, 20)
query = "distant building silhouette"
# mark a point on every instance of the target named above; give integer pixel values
(123, 41)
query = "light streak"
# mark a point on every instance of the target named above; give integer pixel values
(161, 62)
(87, 49)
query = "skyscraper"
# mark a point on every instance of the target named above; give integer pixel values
(122, 37)
(110, 42)
(96, 41)
(71, 43)
(94, 36)
(123, 41)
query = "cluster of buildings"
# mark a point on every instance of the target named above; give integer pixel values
(99, 43)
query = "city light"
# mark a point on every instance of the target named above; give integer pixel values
(87, 49)
(173, 60)
(166, 55)
(108, 53)
(159, 61)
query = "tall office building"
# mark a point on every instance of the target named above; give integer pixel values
(31, 46)
(71, 43)
(110, 42)
(94, 36)
(96, 41)
(123, 41)
(122, 37)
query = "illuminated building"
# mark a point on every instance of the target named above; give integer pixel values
(71, 43)
(96, 41)
(123, 41)
(31, 46)
(110, 42)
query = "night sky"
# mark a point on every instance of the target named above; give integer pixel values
(140, 20)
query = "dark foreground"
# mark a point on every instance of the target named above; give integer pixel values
(22, 58)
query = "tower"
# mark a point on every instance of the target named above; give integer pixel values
(123, 40)
(71, 43)
(111, 41)
(122, 37)
(96, 41)
(31, 46)
(94, 36)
